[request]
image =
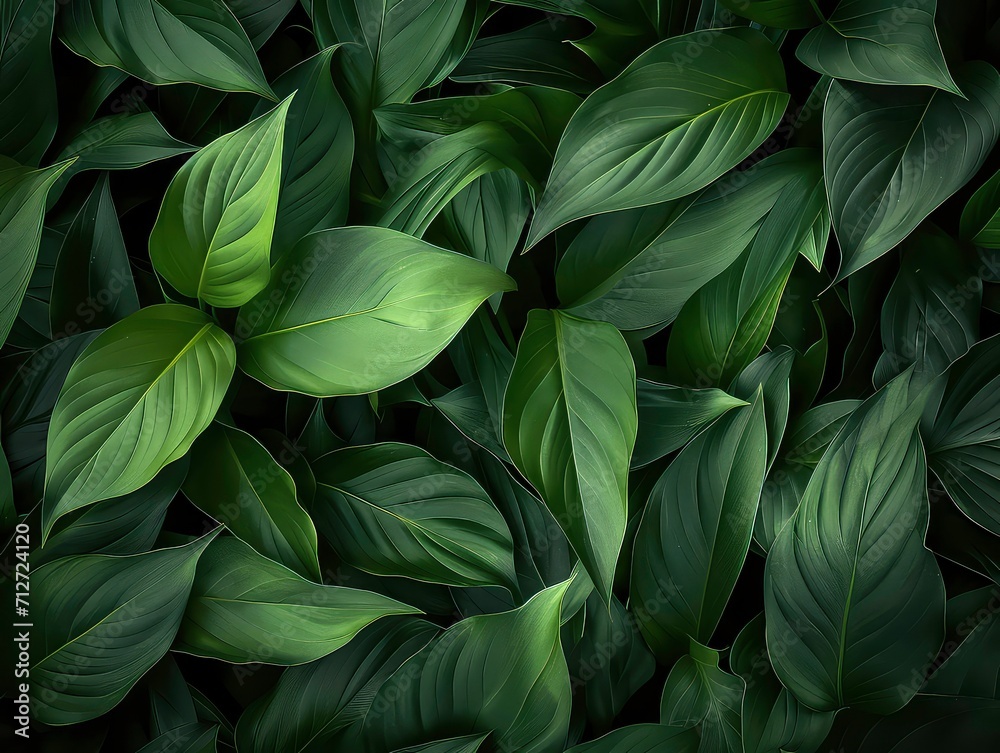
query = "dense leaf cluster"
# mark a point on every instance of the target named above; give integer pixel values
(615, 376)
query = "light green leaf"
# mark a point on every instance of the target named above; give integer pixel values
(695, 532)
(28, 112)
(212, 238)
(22, 207)
(245, 608)
(317, 152)
(504, 673)
(312, 703)
(620, 152)
(236, 481)
(134, 401)
(698, 693)
(92, 281)
(879, 42)
(165, 42)
(892, 156)
(670, 417)
(392, 509)
(569, 425)
(102, 623)
(859, 531)
(384, 303)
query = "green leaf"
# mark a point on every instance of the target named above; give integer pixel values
(781, 14)
(637, 268)
(236, 481)
(465, 744)
(434, 176)
(260, 18)
(972, 667)
(317, 152)
(770, 374)
(613, 662)
(310, 704)
(384, 302)
(124, 525)
(963, 442)
(471, 681)
(196, 737)
(927, 723)
(569, 425)
(772, 719)
(619, 152)
(859, 531)
(212, 238)
(245, 608)
(170, 702)
(28, 111)
(392, 509)
(536, 55)
(103, 622)
(643, 738)
(670, 417)
(165, 42)
(123, 141)
(892, 156)
(22, 206)
(981, 218)
(695, 532)
(28, 400)
(879, 42)
(931, 315)
(92, 282)
(698, 693)
(134, 401)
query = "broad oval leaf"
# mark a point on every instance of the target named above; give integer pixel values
(212, 238)
(501, 673)
(859, 531)
(879, 42)
(695, 532)
(245, 608)
(892, 156)
(620, 152)
(28, 110)
(392, 509)
(134, 401)
(354, 310)
(311, 704)
(22, 206)
(165, 42)
(569, 425)
(103, 622)
(236, 481)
